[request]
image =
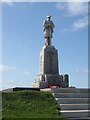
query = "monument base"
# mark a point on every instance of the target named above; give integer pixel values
(44, 81)
(49, 71)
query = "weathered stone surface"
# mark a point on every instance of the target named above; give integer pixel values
(49, 60)
(49, 71)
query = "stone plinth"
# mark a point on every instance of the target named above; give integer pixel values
(49, 71)
(49, 60)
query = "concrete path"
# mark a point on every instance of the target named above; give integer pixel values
(74, 103)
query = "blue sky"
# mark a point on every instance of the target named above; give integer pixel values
(22, 40)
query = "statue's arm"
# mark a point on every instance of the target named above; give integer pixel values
(53, 25)
(44, 24)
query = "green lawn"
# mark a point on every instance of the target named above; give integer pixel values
(29, 104)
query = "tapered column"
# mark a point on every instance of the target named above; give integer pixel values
(49, 60)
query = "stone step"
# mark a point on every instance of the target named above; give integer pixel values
(79, 118)
(75, 106)
(70, 95)
(70, 90)
(75, 113)
(72, 100)
(74, 103)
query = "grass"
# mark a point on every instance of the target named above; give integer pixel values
(29, 104)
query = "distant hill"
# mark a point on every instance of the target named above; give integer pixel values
(28, 104)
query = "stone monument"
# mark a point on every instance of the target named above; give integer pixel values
(49, 66)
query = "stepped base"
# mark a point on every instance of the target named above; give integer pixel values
(49, 70)
(45, 80)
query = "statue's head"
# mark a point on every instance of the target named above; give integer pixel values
(49, 16)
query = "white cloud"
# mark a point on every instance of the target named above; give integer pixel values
(4, 68)
(13, 68)
(9, 2)
(0, 84)
(61, 6)
(77, 8)
(72, 0)
(73, 8)
(77, 25)
(45, 0)
(8, 83)
(27, 73)
(80, 23)
(85, 71)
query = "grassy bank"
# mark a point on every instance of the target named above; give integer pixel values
(29, 104)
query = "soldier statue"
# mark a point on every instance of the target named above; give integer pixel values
(48, 30)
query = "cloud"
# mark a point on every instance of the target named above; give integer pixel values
(73, 8)
(8, 2)
(4, 68)
(50, 0)
(85, 71)
(77, 25)
(27, 73)
(24, 3)
(8, 83)
(80, 23)
(44, 0)
(73, 1)
(0, 84)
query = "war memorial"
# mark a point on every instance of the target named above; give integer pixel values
(74, 102)
(49, 63)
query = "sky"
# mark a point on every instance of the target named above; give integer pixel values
(22, 39)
